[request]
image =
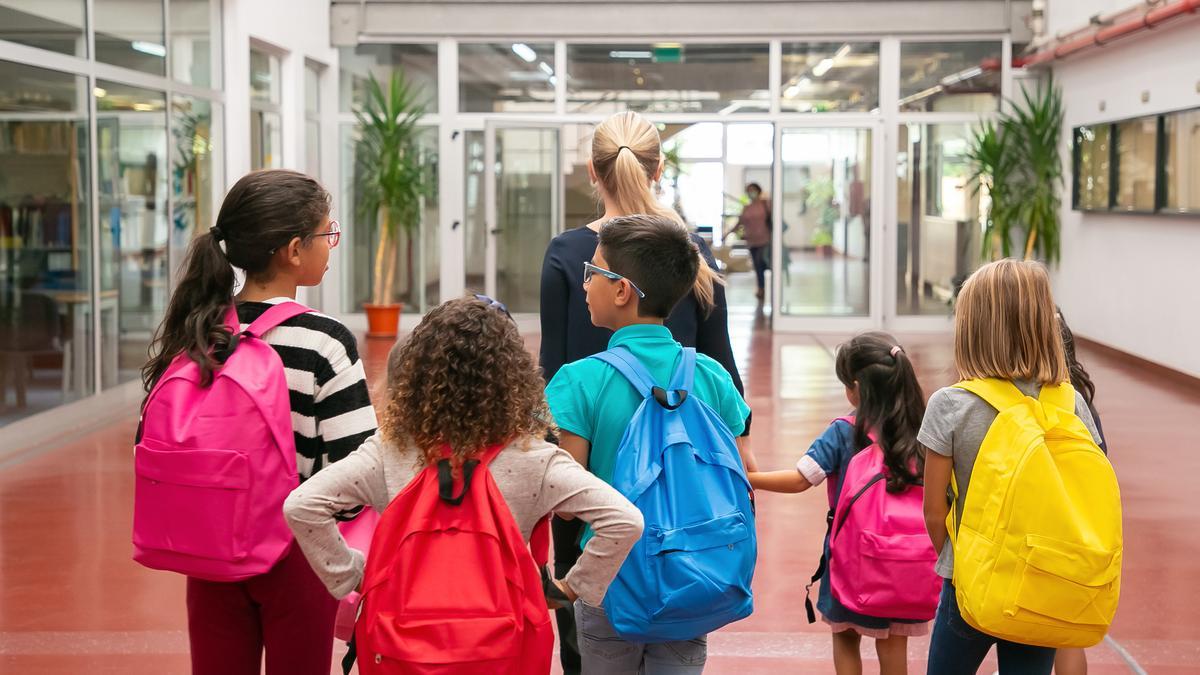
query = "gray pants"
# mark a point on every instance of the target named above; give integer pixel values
(603, 653)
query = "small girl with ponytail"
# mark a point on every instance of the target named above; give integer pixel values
(882, 386)
(275, 227)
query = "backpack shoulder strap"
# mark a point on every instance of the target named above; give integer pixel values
(274, 316)
(1061, 396)
(1000, 394)
(539, 541)
(685, 373)
(628, 365)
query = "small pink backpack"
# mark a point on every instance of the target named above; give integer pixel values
(881, 561)
(215, 463)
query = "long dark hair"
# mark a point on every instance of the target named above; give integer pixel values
(262, 213)
(890, 402)
(1080, 380)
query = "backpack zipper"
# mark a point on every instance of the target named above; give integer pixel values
(874, 479)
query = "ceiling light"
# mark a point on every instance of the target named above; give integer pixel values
(143, 107)
(151, 48)
(791, 91)
(631, 54)
(524, 51)
(822, 67)
(545, 68)
(100, 92)
(842, 52)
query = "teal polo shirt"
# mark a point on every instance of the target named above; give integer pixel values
(590, 399)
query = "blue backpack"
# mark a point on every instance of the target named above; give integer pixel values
(678, 462)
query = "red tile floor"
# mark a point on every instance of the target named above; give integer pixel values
(71, 601)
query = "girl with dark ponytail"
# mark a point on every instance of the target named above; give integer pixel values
(274, 226)
(888, 404)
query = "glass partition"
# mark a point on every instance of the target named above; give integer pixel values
(129, 34)
(830, 77)
(950, 77)
(55, 25)
(506, 77)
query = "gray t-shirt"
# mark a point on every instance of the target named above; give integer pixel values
(954, 426)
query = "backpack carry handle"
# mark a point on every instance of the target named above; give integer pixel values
(664, 398)
(446, 480)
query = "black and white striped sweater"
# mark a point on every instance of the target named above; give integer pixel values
(331, 407)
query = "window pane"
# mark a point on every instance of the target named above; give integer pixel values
(506, 77)
(264, 77)
(56, 25)
(938, 225)
(1137, 142)
(265, 140)
(312, 148)
(667, 77)
(1092, 179)
(1182, 133)
(129, 33)
(192, 170)
(475, 234)
(45, 241)
(358, 63)
(192, 42)
(131, 125)
(950, 76)
(830, 76)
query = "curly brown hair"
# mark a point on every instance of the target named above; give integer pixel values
(463, 378)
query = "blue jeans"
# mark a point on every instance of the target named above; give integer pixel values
(602, 652)
(957, 648)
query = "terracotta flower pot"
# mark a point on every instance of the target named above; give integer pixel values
(383, 321)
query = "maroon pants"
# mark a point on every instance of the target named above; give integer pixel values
(287, 611)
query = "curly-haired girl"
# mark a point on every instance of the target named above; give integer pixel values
(463, 378)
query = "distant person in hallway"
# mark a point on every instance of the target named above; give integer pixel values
(754, 226)
(882, 387)
(465, 345)
(641, 269)
(626, 161)
(1006, 329)
(1074, 661)
(275, 226)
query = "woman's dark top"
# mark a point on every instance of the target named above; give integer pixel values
(567, 331)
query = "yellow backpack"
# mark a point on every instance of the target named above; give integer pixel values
(1037, 556)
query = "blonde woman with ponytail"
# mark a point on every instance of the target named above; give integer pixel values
(626, 162)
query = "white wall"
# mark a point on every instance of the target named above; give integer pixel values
(1068, 15)
(1129, 281)
(295, 30)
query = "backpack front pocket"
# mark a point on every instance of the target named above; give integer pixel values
(1066, 582)
(191, 501)
(696, 564)
(445, 640)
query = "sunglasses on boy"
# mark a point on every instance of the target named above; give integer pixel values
(589, 269)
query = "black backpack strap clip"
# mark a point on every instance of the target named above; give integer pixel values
(446, 480)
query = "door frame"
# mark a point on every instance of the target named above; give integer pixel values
(877, 231)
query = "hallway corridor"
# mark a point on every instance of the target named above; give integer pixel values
(72, 601)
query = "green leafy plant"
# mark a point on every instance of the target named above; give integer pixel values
(1018, 161)
(820, 199)
(391, 178)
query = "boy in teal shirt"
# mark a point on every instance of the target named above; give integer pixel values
(642, 267)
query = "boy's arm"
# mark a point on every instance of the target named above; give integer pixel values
(748, 459)
(577, 446)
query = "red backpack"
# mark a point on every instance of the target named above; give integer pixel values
(450, 587)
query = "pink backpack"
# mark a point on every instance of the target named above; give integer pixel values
(214, 463)
(881, 562)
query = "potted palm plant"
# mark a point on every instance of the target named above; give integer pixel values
(1017, 161)
(390, 181)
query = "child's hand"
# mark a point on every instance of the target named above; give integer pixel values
(787, 480)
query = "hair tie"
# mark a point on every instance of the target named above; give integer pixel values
(625, 147)
(216, 233)
(896, 350)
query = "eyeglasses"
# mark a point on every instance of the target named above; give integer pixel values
(589, 269)
(493, 303)
(334, 233)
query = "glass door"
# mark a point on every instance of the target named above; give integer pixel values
(523, 202)
(827, 246)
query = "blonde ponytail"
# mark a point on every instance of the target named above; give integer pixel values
(626, 156)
